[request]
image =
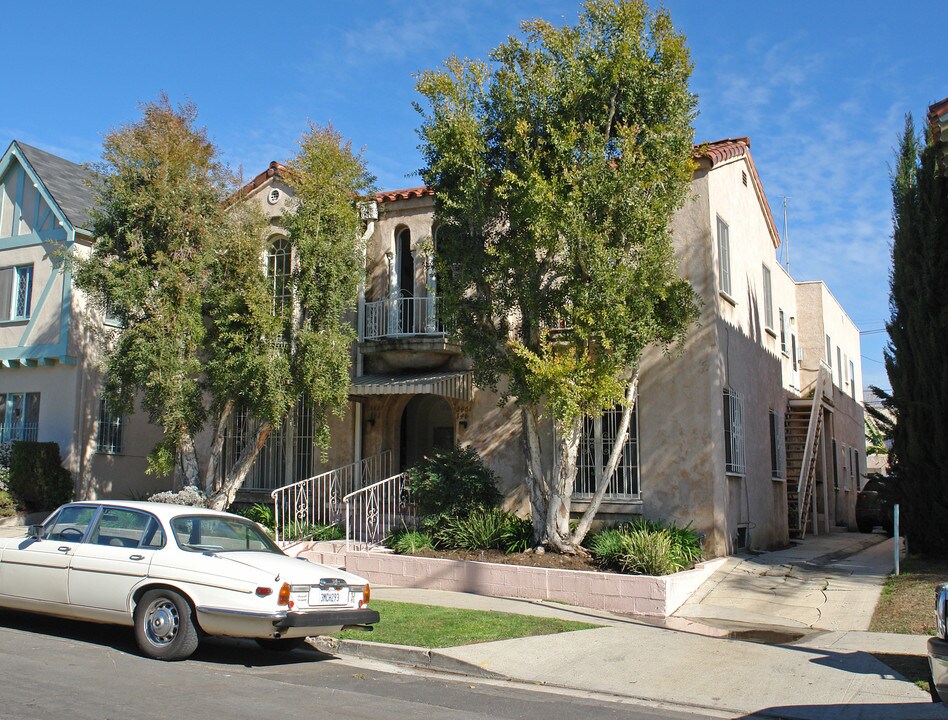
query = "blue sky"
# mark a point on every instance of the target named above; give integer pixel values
(821, 89)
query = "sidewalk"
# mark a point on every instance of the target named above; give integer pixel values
(829, 672)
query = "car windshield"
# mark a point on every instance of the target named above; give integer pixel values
(208, 533)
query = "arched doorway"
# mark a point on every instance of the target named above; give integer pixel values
(427, 425)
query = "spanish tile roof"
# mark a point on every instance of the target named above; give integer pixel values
(66, 181)
(714, 153)
(938, 123)
(407, 194)
(275, 168)
(721, 151)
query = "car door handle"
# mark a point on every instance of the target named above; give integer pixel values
(136, 557)
(64, 548)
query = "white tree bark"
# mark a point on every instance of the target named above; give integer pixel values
(236, 475)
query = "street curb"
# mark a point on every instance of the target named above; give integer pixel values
(428, 659)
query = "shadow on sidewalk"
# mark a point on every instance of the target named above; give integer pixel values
(852, 711)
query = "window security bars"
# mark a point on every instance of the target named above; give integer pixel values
(733, 433)
(595, 447)
(109, 431)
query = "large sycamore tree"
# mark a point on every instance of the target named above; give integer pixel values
(557, 166)
(178, 259)
(915, 357)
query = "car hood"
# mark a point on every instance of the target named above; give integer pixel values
(292, 570)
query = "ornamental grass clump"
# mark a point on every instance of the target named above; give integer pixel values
(486, 529)
(645, 547)
(410, 542)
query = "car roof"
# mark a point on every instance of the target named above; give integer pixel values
(163, 511)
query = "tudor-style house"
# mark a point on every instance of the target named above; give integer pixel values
(753, 433)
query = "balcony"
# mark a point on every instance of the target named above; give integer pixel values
(403, 332)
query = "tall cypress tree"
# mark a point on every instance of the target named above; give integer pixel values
(916, 358)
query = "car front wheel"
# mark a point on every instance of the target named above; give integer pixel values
(164, 627)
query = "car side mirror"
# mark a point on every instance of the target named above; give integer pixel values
(34, 531)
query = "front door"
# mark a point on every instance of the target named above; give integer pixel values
(37, 569)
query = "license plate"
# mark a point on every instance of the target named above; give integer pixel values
(328, 597)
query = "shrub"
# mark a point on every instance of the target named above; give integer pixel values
(486, 529)
(645, 547)
(451, 483)
(259, 513)
(37, 480)
(307, 531)
(409, 542)
(188, 495)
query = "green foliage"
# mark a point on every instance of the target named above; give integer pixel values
(307, 531)
(645, 547)
(486, 529)
(409, 542)
(38, 481)
(8, 504)
(556, 169)
(261, 513)
(178, 260)
(450, 483)
(916, 363)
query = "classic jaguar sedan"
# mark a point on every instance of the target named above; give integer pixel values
(175, 573)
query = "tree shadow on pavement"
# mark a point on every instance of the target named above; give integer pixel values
(853, 711)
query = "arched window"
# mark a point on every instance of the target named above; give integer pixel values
(278, 274)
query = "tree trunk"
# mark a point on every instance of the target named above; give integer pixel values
(212, 479)
(188, 461)
(563, 477)
(238, 473)
(536, 478)
(617, 449)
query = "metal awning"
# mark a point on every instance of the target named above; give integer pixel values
(458, 384)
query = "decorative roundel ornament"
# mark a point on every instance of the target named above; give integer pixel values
(273, 197)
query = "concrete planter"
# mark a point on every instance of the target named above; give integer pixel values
(634, 594)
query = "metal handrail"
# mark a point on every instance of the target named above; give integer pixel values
(819, 392)
(374, 511)
(400, 317)
(317, 500)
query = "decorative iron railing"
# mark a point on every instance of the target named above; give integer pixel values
(319, 500)
(25, 431)
(399, 317)
(374, 512)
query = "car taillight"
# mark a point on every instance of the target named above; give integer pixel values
(284, 597)
(263, 591)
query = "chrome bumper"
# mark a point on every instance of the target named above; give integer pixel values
(309, 618)
(938, 663)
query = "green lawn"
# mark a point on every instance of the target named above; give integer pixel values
(907, 606)
(432, 626)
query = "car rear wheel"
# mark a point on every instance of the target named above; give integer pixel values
(281, 644)
(164, 627)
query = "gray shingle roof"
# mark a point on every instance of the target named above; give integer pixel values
(66, 181)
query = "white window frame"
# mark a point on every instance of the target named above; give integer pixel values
(734, 459)
(724, 258)
(783, 332)
(279, 261)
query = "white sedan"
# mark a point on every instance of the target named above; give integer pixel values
(175, 573)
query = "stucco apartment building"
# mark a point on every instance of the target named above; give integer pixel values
(765, 391)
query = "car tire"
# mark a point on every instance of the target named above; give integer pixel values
(281, 644)
(936, 698)
(864, 526)
(164, 627)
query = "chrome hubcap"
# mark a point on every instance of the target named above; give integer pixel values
(162, 622)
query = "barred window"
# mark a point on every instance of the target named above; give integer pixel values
(777, 463)
(19, 416)
(595, 447)
(109, 438)
(733, 432)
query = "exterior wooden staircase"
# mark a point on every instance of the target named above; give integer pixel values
(803, 430)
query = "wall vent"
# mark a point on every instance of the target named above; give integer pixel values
(744, 177)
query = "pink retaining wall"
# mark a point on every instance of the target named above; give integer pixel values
(635, 594)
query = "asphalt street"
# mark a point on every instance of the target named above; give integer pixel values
(76, 671)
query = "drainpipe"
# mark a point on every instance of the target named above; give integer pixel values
(368, 211)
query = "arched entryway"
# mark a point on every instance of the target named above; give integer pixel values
(427, 425)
